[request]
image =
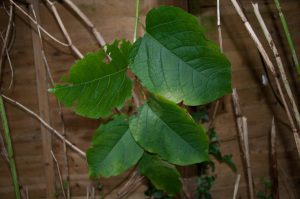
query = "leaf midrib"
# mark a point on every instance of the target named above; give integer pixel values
(90, 81)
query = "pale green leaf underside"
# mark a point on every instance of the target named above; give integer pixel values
(163, 128)
(162, 175)
(94, 87)
(113, 149)
(175, 60)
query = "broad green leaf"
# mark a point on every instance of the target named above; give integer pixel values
(162, 175)
(174, 59)
(94, 87)
(163, 128)
(113, 149)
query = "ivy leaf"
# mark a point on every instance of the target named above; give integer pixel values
(94, 87)
(162, 175)
(161, 127)
(113, 149)
(228, 160)
(175, 60)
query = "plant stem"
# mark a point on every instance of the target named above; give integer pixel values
(137, 11)
(288, 36)
(9, 148)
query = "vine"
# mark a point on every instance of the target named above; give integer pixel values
(174, 64)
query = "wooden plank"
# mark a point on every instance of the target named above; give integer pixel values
(41, 80)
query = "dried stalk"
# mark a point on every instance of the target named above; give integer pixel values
(36, 23)
(10, 151)
(288, 36)
(61, 25)
(55, 132)
(59, 175)
(4, 52)
(219, 27)
(275, 193)
(248, 163)
(243, 141)
(137, 13)
(271, 68)
(279, 63)
(236, 186)
(9, 64)
(86, 21)
(59, 104)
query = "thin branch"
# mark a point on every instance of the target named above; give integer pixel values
(59, 175)
(36, 23)
(242, 130)
(55, 132)
(86, 21)
(137, 12)
(271, 68)
(10, 151)
(236, 186)
(61, 25)
(275, 193)
(288, 36)
(12, 77)
(219, 27)
(7, 36)
(279, 62)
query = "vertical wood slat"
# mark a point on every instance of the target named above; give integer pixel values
(41, 80)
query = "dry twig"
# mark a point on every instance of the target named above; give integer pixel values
(243, 141)
(55, 132)
(4, 52)
(36, 23)
(59, 175)
(73, 48)
(236, 186)
(86, 21)
(271, 68)
(275, 193)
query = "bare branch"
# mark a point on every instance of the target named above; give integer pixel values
(86, 21)
(278, 61)
(271, 68)
(236, 186)
(59, 175)
(55, 132)
(4, 52)
(36, 23)
(275, 193)
(73, 48)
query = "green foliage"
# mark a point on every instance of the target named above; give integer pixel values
(205, 183)
(175, 60)
(214, 150)
(94, 87)
(162, 175)
(267, 193)
(163, 128)
(113, 149)
(154, 193)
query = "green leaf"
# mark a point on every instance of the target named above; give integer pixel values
(162, 175)
(94, 87)
(175, 60)
(113, 149)
(228, 160)
(163, 128)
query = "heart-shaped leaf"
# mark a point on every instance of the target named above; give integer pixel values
(113, 149)
(95, 87)
(163, 128)
(175, 60)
